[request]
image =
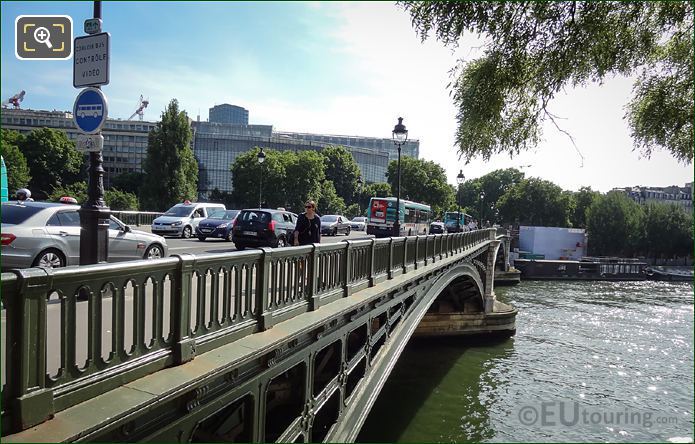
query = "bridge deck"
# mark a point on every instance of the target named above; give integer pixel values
(86, 414)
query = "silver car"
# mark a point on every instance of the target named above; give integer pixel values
(358, 223)
(41, 234)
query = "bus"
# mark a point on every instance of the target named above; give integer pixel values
(450, 218)
(414, 217)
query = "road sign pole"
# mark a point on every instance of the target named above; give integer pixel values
(94, 214)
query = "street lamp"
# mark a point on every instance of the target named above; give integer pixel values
(261, 159)
(400, 135)
(482, 200)
(360, 183)
(459, 180)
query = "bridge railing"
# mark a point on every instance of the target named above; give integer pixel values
(113, 323)
(136, 218)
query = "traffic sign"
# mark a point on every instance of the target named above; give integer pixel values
(90, 110)
(92, 26)
(91, 60)
(87, 143)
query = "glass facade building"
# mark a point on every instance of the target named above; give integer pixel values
(410, 148)
(230, 114)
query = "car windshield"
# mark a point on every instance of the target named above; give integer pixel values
(227, 215)
(216, 213)
(329, 218)
(179, 211)
(254, 216)
(16, 214)
(359, 219)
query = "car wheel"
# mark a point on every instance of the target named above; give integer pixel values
(187, 232)
(335, 232)
(240, 246)
(154, 251)
(281, 243)
(347, 232)
(202, 238)
(229, 236)
(50, 258)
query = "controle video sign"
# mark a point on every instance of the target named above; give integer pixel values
(91, 60)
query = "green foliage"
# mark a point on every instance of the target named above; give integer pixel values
(352, 211)
(668, 231)
(492, 186)
(52, 159)
(582, 201)
(171, 170)
(17, 169)
(130, 182)
(614, 223)
(224, 197)
(289, 178)
(329, 202)
(421, 181)
(535, 202)
(119, 200)
(535, 50)
(78, 190)
(342, 170)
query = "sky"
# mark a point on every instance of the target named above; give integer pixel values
(335, 68)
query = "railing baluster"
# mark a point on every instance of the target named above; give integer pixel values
(184, 345)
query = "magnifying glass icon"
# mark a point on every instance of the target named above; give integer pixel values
(42, 35)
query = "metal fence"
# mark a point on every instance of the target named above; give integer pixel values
(113, 323)
(136, 218)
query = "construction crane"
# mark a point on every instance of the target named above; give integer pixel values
(14, 100)
(140, 111)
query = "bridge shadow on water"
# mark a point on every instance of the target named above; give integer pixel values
(417, 381)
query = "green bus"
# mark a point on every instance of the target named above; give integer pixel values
(451, 218)
(414, 217)
(4, 192)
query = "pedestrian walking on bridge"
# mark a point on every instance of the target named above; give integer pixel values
(308, 229)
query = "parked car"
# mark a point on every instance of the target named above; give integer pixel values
(332, 224)
(358, 223)
(263, 228)
(437, 228)
(218, 226)
(48, 235)
(182, 219)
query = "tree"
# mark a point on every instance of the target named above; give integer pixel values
(130, 182)
(305, 175)
(535, 50)
(668, 231)
(493, 185)
(247, 174)
(52, 159)
(171, 170)
(421, 181)
(583, 200)
(17, 169)
(342, 170)
(78, 190)
(224, 197)
(119, 200)
(537, 202)
(614, 223)
(329, 202)
(352, 211)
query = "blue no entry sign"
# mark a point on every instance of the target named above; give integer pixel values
(90, 110)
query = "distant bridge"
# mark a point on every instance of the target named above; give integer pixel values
(289, 344)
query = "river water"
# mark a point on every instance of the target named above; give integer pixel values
(590, 361)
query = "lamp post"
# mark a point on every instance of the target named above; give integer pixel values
(94, 214)
(459, 180)
(482, 206)
(360, 184)
(400, 135)
(261, 159)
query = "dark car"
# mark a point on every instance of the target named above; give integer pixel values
(332, 224)
(263, 228)
(437, 228)
(218, 225)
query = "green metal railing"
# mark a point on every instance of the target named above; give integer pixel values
(118, 322)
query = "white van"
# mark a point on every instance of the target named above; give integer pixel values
(181, 219)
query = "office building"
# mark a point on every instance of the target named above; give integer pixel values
(229, 114)
(125, 141)
(410, 148)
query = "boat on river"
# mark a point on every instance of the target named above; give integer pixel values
(675, 274)
(588, 268)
